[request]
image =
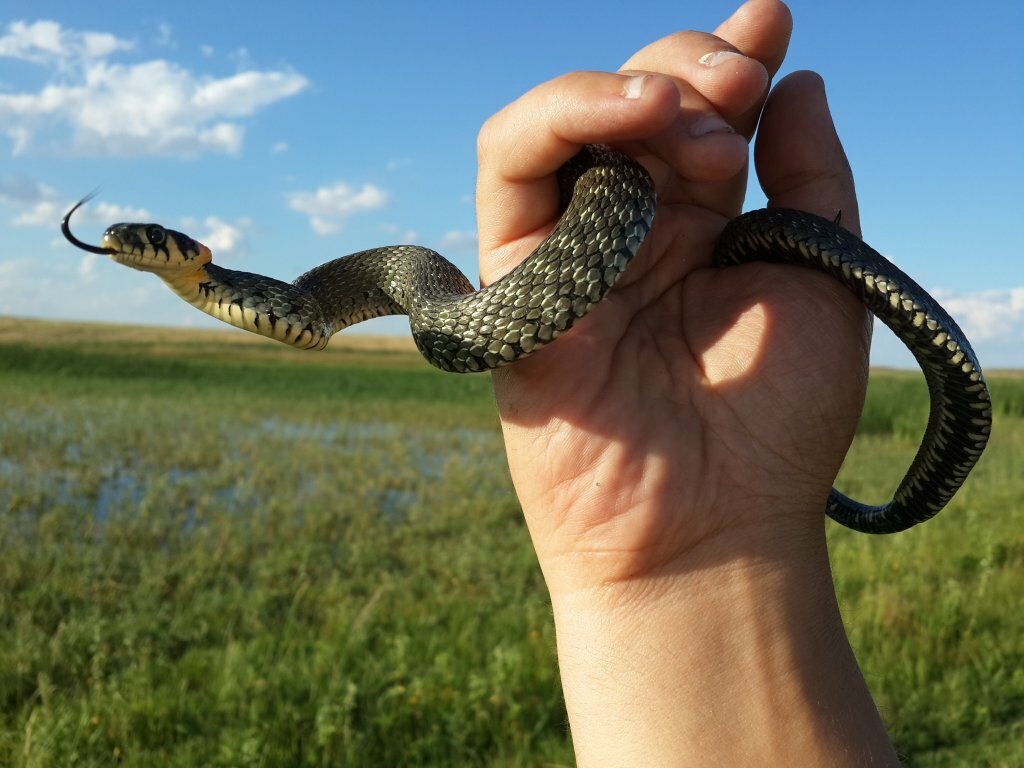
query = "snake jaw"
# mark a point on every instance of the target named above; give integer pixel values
(124, 253)
(145, 247)
(65, 228)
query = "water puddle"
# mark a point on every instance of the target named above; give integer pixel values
(406, 459)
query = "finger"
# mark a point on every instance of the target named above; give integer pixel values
(575, 109)
(732, 83)
(732, 68)
(799, 158)
(801, 164)
(761, 30)
(522, 146)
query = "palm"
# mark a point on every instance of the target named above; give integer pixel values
(690, 388)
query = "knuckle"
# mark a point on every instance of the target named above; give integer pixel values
(488, 138)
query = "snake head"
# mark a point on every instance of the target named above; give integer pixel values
(146, 247)
(153, 248)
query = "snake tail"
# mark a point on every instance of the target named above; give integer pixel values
(960, 416)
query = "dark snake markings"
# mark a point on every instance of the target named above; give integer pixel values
(610, 203)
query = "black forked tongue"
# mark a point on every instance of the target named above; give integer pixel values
(66, 229)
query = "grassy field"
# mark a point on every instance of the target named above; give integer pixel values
(200, 567)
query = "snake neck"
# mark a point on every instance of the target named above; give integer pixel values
(333, 296)
(393, 280)
(255, 303)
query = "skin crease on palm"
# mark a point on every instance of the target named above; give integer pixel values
(673, 452)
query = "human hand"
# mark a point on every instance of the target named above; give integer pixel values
(672, 452)
(695, 399)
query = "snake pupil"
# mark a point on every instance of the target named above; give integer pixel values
(156, 235)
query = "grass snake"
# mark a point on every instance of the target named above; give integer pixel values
(609, 206)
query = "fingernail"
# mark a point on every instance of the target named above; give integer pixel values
(708, 124)
(634, 86)
(715, 58)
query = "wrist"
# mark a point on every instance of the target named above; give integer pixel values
(736, 649)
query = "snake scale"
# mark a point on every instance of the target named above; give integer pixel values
(609, 205)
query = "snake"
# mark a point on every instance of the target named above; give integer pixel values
(608, 205)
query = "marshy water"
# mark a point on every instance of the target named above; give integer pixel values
(70, 457)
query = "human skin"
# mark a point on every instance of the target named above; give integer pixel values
(672, 452)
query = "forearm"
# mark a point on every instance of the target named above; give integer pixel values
(735, 656)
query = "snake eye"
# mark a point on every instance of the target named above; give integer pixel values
(156, 235)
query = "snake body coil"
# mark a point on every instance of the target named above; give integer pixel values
(609, 207)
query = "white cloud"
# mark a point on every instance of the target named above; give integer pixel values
(221, 236)
(224, 238)
(995, 314)
(111, 213)
(324, 226)
(328, 207)
(458, 240)
(40, 214)
(40, 205)
(246, 92)
(154, 107)
(46, 43)
(37, 204)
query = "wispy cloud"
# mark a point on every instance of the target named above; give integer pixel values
(458, 240)
(164, 35)
(224, 238)
(996, 314)
(86, 285)
(36, 204)
(400, 235)
(48, 44)
(329, 207)
(153, 107)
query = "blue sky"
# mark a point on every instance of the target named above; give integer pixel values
(286, 136)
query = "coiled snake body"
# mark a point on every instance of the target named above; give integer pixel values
(609, 207)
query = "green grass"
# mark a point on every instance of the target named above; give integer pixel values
(198, 567)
